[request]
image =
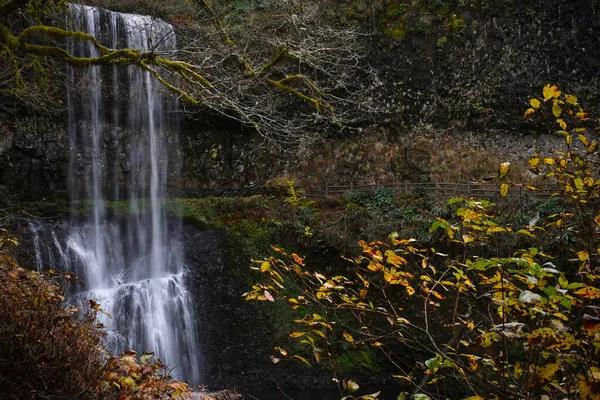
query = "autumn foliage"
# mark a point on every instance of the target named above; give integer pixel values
(482, 320)
(49, 350)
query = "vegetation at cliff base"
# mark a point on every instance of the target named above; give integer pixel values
(471, 319)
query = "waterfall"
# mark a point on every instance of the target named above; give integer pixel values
(121, 130)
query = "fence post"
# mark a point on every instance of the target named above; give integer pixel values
(405, 186)
(326, 189)
(469, 188)
(351, 186)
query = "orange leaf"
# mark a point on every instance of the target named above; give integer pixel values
(528, 112)
(588, 292)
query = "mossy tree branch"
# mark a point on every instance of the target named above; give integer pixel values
(282, 53)
(257, 97)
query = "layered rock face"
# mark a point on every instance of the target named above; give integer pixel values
(469, 83)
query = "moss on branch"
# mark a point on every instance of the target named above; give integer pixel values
(314, 102)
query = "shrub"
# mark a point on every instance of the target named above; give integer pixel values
(46, 350)
(49, 350)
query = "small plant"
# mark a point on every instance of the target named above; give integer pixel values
(441, 42)
(478, 107)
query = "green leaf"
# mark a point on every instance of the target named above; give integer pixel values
(434, 363)
(421, 396)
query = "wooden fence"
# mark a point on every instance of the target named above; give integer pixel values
(442, 188)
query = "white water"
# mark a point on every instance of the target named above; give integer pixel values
(133, 268)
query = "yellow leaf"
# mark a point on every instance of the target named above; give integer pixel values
(410, 290)
(546, 372)
(568, 140)
(549, 161)
(561, 316)
(303, 360)
(348, 337)
(535, 103)
(551, 92)
(584, 140)
(526, 232)
(557, 110)
(597, 220)
(528, 112)
(503, 170)
(571, 99)
(352, 386)
(265, 266)
(504, 189)
(534, 162)
(518, 371)
(488, 338)
(562, 123)
(374, 266)
(583, 116)
(297, 334)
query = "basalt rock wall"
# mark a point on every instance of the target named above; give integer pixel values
(462, 85)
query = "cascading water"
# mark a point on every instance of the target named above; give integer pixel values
(133, 266)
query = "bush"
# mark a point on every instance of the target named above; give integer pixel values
(49, 350)
(46, 350)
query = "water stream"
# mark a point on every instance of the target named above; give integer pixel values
(121, 132)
